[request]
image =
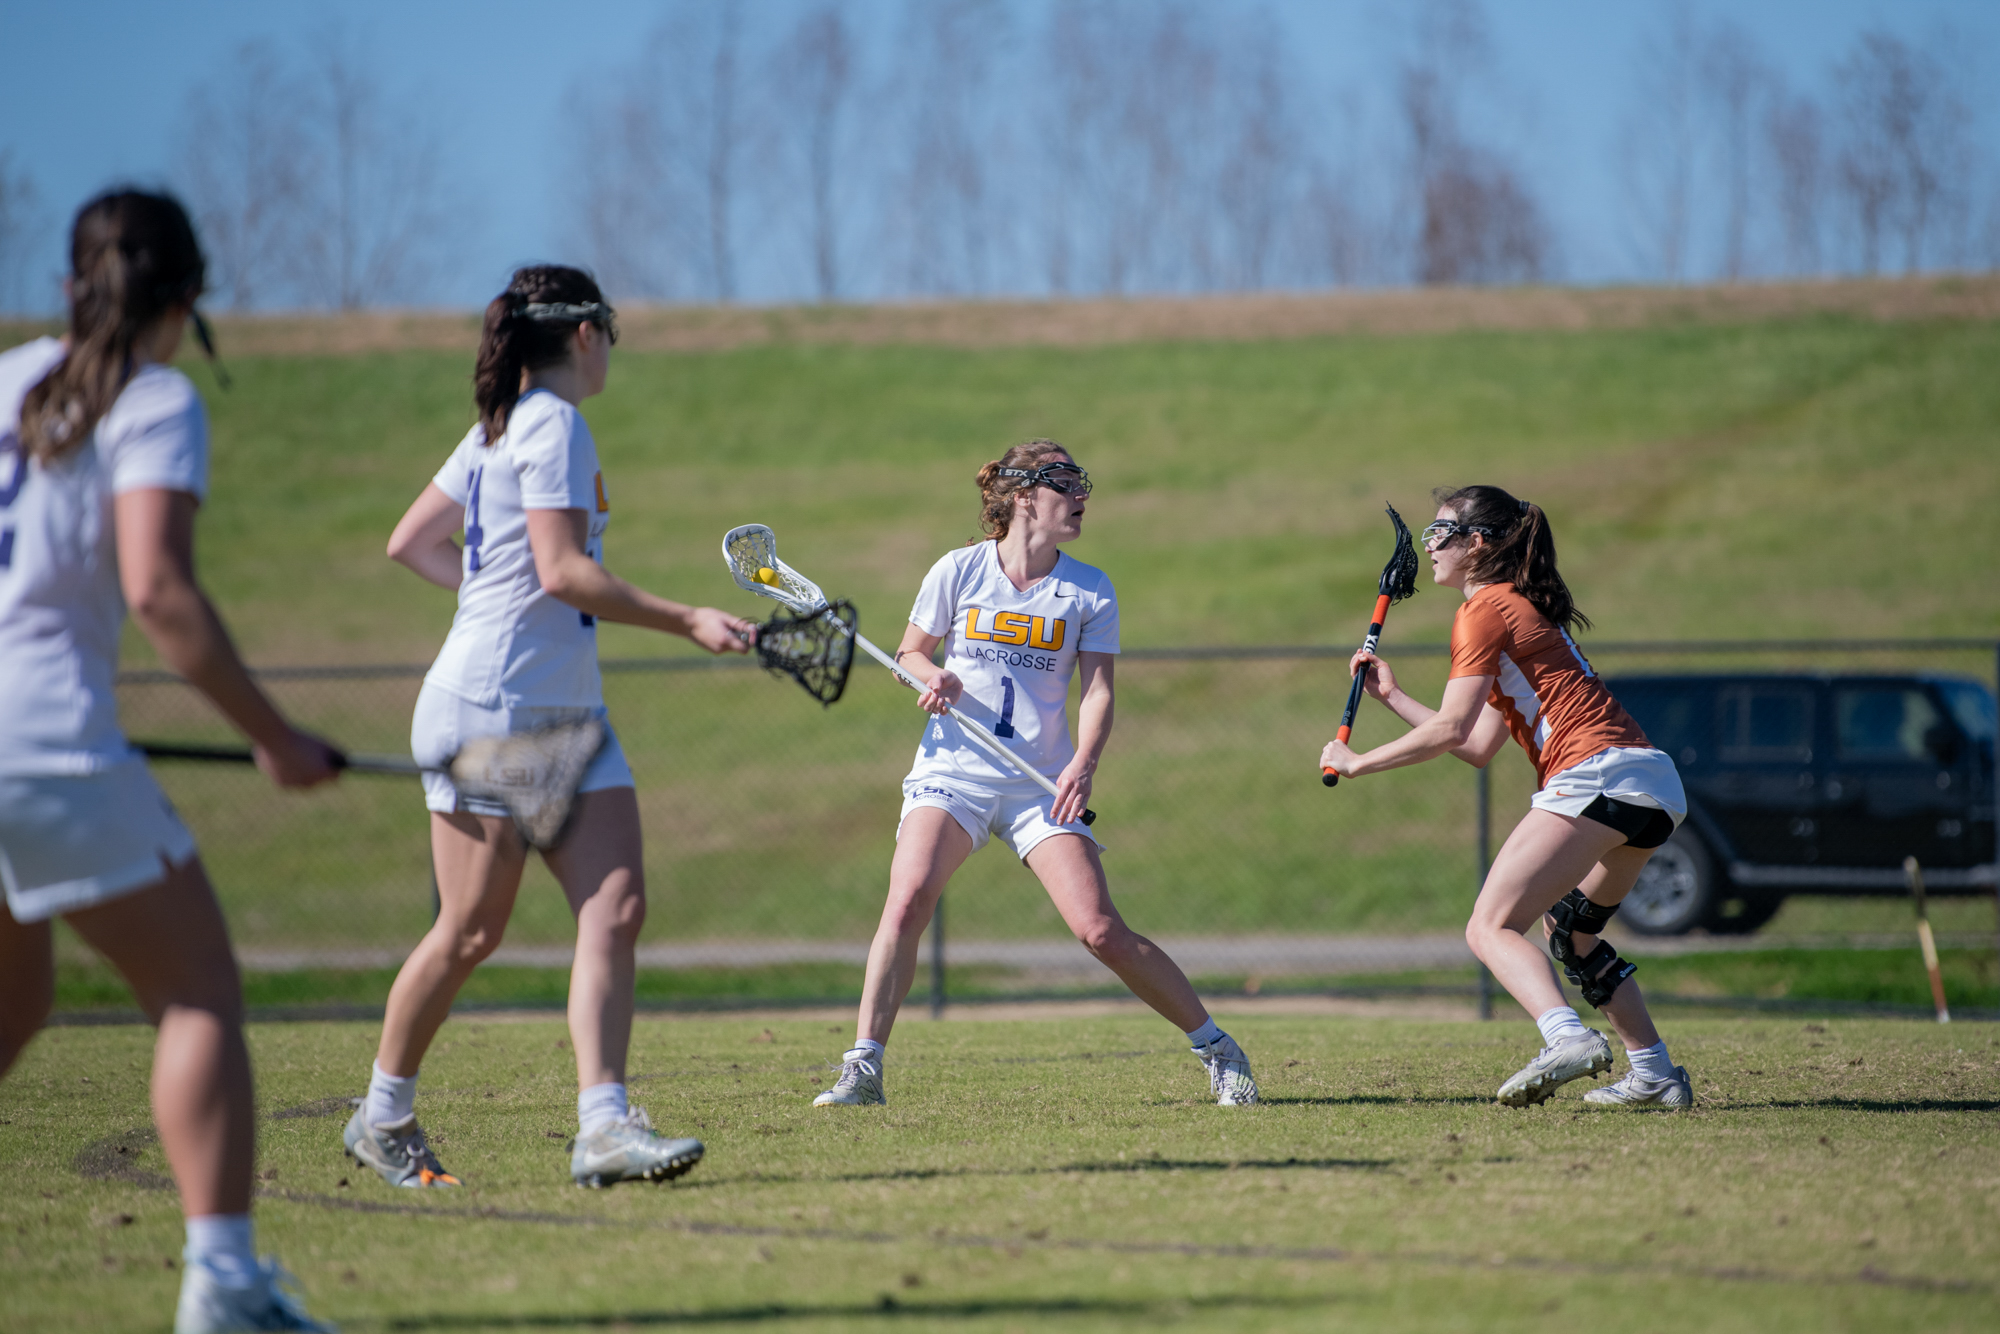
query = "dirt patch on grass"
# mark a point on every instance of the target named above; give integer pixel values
(1142, 319)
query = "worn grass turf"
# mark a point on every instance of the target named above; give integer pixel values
(1836, 1176)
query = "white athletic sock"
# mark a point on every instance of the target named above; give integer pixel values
(222, 1243)
(871, 1046)
(1207, 1034)
(1652, 1064)
(1559, 1022)
(390, 1097)
(600, 1105)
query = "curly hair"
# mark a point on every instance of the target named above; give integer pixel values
(996, 494)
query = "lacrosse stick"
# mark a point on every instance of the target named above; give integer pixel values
(751, 552)
(815, 651)
(533, 774)
(1399, 580)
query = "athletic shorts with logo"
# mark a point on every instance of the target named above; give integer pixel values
(444, 722)
(1635, 775)
(73, 841)
(1016, 813)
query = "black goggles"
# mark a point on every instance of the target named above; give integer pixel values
(1444, 531)
(598, 313)
(1062, 478)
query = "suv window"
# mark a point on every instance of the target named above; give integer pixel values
(1773, 724)
(1973, 708)
(1883, 722)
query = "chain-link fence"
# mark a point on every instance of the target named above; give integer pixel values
(769, 826)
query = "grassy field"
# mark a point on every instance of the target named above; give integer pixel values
(1820, 475)
(1835, 1176)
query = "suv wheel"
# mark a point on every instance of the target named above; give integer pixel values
(1676, 892)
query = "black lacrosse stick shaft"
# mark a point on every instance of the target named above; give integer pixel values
(1398, 581)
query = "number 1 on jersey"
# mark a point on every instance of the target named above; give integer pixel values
(474, 534)
(1006, 727)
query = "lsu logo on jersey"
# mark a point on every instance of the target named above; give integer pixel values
(1012, 627)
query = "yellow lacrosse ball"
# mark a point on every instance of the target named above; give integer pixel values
(767, 575)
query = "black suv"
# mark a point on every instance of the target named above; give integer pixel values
(1813, 784)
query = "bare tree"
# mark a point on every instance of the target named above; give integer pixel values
(1658, 152)
(20, 234)
(244, 162)
(813, 77)
(1478, 221)
(1904, 146)
(658, 190)
(1735, 80)
(1794, 130)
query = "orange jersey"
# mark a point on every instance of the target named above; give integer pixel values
(1554, 704)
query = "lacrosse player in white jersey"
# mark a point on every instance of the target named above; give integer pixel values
(103, 463)
(525, 488)
(1021, 619)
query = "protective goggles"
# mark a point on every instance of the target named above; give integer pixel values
(1443, 531)
(1064, 479)
(598, 313)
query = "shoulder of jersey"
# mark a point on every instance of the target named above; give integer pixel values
(1086, 577)
(538, 412)
(23, 366)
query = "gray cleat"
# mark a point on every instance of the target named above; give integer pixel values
(631, 1150)
(1229, 1076)
(396, 1151)
(859, 1084)
(1572, 1058)
(1676, 1093)
(208, 1306)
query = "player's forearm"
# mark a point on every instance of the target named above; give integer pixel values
(440, 563)
(1430, 738)
(582, 583)
(183, 628)
(1093, 728)
(1411, 711)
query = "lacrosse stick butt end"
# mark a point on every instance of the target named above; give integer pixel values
(1330, 777)
(1090, 817)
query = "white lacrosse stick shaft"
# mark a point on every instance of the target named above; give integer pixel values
(754, 547)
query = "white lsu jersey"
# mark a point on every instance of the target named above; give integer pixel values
(1015, 651)
(511, 644)
(61, 604)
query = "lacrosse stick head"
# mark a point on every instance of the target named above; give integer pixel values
(816, 650)
(1399, 576)
(533, 774)
(752, 553)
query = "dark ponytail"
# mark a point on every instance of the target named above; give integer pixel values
(517, 338)
(1519, 550)
(133, 257)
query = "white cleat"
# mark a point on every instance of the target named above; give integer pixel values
(631, 1150)
(1229, 1076)
(859, 1084)
(1676, 1093)
(207, 1306)
(1572, 1058)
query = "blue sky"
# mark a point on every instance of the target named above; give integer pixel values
(95, 89)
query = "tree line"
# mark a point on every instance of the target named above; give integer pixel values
(831, 150)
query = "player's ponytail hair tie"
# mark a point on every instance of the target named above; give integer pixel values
(527, 327)
(1525, 556)
(1002, 479)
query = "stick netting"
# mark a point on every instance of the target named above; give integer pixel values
(816, 651)
(533, 774)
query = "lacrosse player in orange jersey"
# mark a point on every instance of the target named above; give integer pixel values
(1606, 798)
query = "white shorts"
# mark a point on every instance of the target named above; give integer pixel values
(443, 723)
(1017, 812)
(1635, 775)
(73, 841)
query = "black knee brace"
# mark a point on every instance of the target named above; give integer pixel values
(1599, 973)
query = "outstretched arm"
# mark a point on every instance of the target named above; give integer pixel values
(156, 571)
(569, 574)
(1093, 730)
